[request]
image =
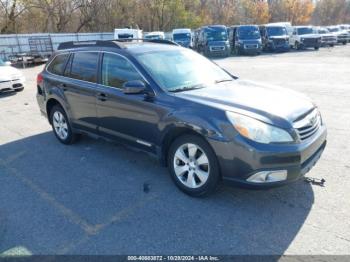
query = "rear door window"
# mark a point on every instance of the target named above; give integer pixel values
(58, 64)
(84, 66)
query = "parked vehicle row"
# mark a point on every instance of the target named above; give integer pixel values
(273, 37)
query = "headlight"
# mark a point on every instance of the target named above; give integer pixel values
(257, 130)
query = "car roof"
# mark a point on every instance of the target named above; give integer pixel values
(303, 26)
(131, 47)
(213, 26)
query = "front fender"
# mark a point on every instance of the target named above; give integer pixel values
(208, 127)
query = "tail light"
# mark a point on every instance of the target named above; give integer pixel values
(39, 79)
(39, 82)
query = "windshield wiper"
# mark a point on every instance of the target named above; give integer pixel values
(186, 88)
(223, 80)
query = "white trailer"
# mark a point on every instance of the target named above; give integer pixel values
(127, 33)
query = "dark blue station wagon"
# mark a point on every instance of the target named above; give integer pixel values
(205, 124)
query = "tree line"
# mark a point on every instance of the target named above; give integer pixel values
(55, 16)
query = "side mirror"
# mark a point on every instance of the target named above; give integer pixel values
(7, 63)
(134, 87)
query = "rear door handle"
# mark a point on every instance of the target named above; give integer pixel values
(101, 96)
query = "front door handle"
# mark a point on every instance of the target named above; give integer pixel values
(102, 97)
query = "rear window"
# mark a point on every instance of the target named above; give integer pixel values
(58, 64)
(84, 66)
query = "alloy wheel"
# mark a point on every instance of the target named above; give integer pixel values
(191, 165)
(60, 125)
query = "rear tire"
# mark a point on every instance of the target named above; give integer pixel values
(193, 165)
(317, 47)
(61, 126)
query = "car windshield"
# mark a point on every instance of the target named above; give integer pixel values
(181, 70)
(2, 63)
(304, 31)
(217, 34)
(153, 37)
(323, 31)
(334, 29)
(182, 36)
(248, 32)
(276, 31)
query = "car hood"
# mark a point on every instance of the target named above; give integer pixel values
(9, 73)
(278, 37)
(274, 105)
(327, 35)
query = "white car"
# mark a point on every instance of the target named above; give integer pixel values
(11, 79)
(304, 37)
(327, 38)
(342, 35)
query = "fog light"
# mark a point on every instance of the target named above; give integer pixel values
(268, 176)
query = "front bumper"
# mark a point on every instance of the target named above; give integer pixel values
(250, 48)
(11, 85)
(218, 50)
(326, 42)
(310, 43)
(240, 159)
(278, 47)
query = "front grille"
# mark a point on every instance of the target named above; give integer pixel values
(328, 38)
(279, 41)
(217, 48)
(309, 125)
(250, 46)
(309, 41)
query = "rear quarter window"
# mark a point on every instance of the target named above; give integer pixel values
(58, 64)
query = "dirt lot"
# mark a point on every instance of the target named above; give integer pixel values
(89, 199)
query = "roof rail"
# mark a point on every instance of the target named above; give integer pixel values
(100, 43)
(158, 41)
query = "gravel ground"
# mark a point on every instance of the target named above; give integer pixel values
(89, 199)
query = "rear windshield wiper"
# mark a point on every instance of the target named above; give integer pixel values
(186, 88)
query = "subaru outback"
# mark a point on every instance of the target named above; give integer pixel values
(202, 122)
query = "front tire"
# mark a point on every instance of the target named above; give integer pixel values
(61, 126)
(193, 165)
